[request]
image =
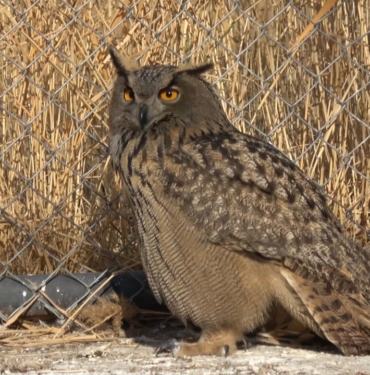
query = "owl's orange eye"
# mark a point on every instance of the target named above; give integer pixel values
(168, 95)
(129, 95)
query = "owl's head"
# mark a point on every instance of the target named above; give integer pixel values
(144, 97)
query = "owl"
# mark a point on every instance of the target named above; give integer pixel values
(229, 227)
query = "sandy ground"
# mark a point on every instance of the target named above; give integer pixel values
(126, 356)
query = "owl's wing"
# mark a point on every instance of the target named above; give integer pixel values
(246, 196)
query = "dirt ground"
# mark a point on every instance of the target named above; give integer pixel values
(127, 356)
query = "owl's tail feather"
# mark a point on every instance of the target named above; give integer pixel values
(343, 319)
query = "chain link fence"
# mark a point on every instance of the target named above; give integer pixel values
(295, 73)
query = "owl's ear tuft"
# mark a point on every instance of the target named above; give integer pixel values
(194, 70)
(122, 64)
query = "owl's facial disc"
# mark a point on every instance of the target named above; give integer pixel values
(143, 111)
(152, 109)
(148, 112)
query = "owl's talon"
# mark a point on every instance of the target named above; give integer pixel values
(171, 346)
(245, 344)
(226, 350)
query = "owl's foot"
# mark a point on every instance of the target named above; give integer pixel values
(220, 344)
(171, 346)
(182, 349)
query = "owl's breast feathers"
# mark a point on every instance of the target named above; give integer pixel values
(244, 195)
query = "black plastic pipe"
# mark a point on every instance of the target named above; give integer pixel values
(66, 291)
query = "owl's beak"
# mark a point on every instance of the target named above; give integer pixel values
(143, 116)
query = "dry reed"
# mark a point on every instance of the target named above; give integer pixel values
(57, 196)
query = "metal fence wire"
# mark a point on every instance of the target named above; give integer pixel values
(295, 73)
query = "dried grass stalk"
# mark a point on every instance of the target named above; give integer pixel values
(56, 184)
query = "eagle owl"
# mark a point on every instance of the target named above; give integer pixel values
(229, 227)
